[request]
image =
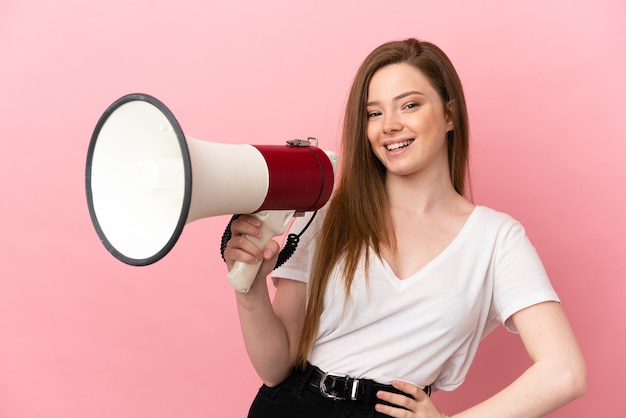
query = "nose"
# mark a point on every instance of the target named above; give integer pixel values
(391, 123)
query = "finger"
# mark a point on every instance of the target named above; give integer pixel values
(234, 254)
(416, 392)
(246, 225)
(397, 399)
(389, 410)
(240, 248)
(251, 219)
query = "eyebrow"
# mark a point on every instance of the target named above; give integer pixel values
(399, 97)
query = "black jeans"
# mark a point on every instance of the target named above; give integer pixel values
(297, 398)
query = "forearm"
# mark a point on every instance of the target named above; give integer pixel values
(543, 388)
(264, 334)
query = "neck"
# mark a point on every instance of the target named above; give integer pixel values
(420, 195)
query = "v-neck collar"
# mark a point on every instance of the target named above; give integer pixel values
(458, 239)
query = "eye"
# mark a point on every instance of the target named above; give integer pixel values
(411, 105)
(373, 114)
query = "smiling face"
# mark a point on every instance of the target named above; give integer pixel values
(406, 122)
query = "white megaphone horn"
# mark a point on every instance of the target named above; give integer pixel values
(145, 181)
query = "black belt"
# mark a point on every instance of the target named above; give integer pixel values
(345, 388)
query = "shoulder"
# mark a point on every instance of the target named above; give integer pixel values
(491, 221)
(488, 225)
(493, 216)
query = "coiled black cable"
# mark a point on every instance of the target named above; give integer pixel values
(291, 244)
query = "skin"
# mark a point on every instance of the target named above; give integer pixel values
(406, 113)
(407, 126)
(427, 213)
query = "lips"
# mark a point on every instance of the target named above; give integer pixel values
(398, 145)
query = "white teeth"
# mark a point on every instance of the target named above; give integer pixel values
(398, 145)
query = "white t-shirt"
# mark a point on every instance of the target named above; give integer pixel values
(426, 328)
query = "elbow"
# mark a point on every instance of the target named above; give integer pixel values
(271, 383)
(579, 383)
(574, 381)
(275, 381)
(275, 377)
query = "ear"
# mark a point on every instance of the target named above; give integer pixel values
(449, 112)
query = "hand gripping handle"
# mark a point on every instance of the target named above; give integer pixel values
(273, 223)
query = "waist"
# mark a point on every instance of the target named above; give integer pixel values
(345, 388)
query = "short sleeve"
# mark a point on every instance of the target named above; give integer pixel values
(520, 277)
(299, 265)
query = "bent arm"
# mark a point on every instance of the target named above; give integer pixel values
(270, 328)
(271, 331)
(557, 376)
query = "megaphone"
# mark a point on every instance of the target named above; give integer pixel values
(145, 180)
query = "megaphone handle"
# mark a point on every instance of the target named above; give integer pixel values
(274, 222)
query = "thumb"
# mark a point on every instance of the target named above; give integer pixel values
(270, 255)
(271, 250)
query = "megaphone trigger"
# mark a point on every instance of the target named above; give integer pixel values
(274, 223)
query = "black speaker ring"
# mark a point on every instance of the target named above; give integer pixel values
(186, 202)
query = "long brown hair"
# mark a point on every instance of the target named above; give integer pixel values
(358, 215)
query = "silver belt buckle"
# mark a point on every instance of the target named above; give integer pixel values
(324, 392)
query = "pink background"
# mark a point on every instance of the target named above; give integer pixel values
(83, 335)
